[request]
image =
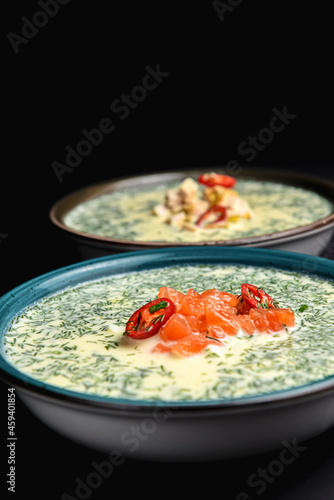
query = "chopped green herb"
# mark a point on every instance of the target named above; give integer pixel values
(160, 305)
(303, 308)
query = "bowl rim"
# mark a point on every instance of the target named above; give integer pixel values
(54, 281)
(314, 183)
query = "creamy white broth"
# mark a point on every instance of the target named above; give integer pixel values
(74, 339)
(128, 214)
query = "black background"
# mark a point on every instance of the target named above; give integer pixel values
(224, 79)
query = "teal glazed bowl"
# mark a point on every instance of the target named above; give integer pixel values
(171, 431)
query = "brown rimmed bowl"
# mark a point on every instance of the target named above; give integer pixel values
(311, 239)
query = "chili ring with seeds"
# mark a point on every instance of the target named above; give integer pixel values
(251, 294)
(148, 319)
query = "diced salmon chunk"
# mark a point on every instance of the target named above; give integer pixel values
(201, 318)
(176, 328)
(189, 346)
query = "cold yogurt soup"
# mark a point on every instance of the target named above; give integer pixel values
(180, 333)
(193, 211)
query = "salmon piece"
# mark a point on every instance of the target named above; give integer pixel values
(240, 304)
(271, 320)
(259, 318)
(176, 328)
(266, 320)
(216, 331)
(190, 346)
(227, 323)
(171, 294)
(219, 314)
(192, 303)
(201, 318)
(246, 323)
(220, 300)
(162, 348)
(235, 300)
(197, 323)
(286, 316)
(223, 296)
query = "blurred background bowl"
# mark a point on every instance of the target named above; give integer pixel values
(309, 239)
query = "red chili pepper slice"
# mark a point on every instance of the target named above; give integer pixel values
(214, 179)
(252, 293)
(148, 319)
(221, 215)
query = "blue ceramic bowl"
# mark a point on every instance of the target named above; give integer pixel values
(205, 430)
